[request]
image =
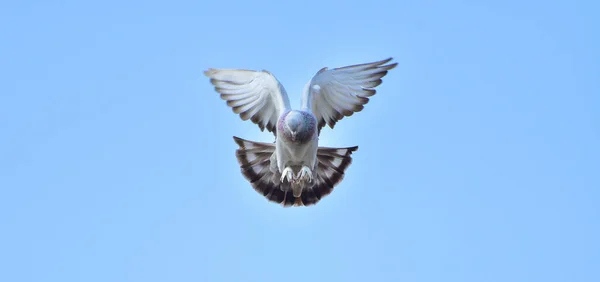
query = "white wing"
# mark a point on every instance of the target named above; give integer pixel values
(333, 94)
(254, 95)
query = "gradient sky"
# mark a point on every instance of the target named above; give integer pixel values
(478, 159)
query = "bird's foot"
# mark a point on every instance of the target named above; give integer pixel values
(287, 173)
(305, 174)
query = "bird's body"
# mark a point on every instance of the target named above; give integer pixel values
(296, 146)
(295, 170)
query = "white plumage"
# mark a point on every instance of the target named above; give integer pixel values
(294, 170)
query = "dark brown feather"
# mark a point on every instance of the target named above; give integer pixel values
(258, 173)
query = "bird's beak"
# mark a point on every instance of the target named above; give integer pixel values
(293, 135)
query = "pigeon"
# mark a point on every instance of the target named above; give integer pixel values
(294, 170)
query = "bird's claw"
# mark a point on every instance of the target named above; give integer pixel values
(305, 174)
(287, 173)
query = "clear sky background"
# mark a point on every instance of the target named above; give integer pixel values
(478, 159)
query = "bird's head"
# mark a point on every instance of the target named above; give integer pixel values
(297, 126)
(294, 124)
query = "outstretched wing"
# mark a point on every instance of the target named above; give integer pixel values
(255, 164)
(254, 95)
(334, 93)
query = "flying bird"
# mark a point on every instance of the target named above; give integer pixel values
(294, 170)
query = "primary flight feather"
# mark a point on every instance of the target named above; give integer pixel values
(295, 170)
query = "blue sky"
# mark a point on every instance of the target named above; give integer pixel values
(478, 158)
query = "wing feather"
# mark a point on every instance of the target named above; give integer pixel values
(254, 95)
(333, 94)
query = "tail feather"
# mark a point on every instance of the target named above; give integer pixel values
(332, 163)
(255, 164)
(255, 161)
